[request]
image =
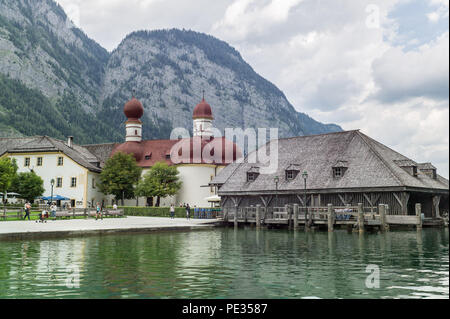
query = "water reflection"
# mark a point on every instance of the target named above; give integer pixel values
(230, 263)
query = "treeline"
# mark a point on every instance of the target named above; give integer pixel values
(31, 113)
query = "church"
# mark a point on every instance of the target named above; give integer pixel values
(72, 171)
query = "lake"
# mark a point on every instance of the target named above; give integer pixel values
(230, 263)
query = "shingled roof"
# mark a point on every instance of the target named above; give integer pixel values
(77, 153)
(369, 163)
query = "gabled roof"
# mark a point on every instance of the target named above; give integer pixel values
(47, 144)
(294, 167)
(370, 165)
(425, 166)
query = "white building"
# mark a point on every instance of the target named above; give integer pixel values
(75, 169)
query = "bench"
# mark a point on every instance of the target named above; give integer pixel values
(114, 213)
(63, 214)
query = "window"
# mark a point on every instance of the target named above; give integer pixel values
(135, 132)
(59, 182)
(60, 161)
(290, 175)
(168, 156)
(251, 177)
(148, 157)
(73, 182)
(27, 162)
(39, 161)
(338, 172)
(93, 183)
(211, 189)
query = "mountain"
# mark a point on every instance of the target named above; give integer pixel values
(169, 69)
(50, 74)
(56, 81)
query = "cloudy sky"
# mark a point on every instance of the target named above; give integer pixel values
(381, 66)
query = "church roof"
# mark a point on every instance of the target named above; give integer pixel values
(369, 164)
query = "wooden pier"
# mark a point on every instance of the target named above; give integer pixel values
(358, 218)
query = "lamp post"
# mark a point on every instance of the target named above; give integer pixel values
(276, 179)
(52, 182)
(305, 177)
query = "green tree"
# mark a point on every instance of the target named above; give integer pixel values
(8, 171)
(119, 176)
(28, 185)
(161, 181)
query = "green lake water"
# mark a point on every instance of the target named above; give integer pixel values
(228, 263)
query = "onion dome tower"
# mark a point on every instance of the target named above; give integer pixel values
(203, 119)
(133, 111)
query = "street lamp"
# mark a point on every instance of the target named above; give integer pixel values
(52, 182)
(276, 179)
(305, 177)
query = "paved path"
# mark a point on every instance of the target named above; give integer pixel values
(79, 227)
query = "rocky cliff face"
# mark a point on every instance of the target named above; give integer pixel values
(170, 69)
(41, 47)
(72, 86)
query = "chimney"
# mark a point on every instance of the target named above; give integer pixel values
(70, 141)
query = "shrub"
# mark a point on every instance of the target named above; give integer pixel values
(156, 211)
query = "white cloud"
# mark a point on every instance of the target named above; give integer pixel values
(441, 10)
(243, 17)
(322, 55)
(423, 72)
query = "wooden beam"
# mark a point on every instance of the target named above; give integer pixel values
(300, 198)
(263, 200)
(436, 201)
(405, 198)
(368, 199)
(375, 198)
(224, 200)
(398, 200)
(342, 199)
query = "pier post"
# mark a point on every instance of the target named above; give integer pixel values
(288, 214)
(382, 212)
(236, 215)
(295, 216)
(245, 215)
(419, 216)
(307, 218)
(330, 218)
(258, 216)
(360, 218)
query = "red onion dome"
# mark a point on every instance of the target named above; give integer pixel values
(134, 148)
(203, 111)
(133, 109)
(221, 151)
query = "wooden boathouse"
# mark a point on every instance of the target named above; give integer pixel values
(344, 178)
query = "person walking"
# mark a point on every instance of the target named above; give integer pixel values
(99, 212)
(172, 211)
(27, 210)
(188, 212)
(53, 209)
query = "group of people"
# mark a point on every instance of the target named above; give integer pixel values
(53, 208)
(186, 206)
